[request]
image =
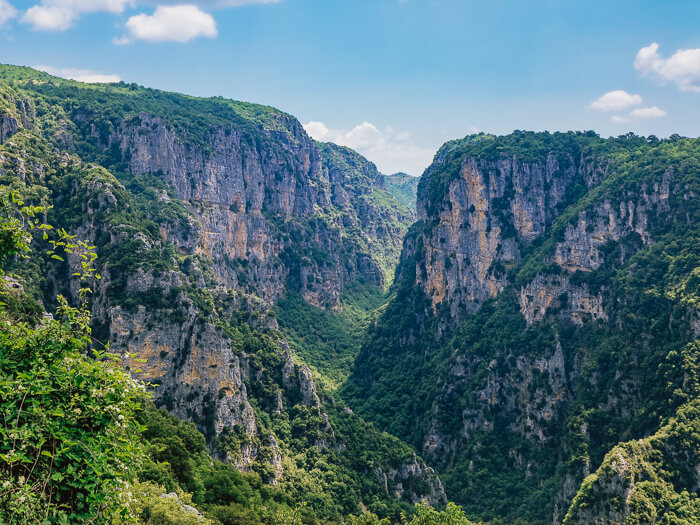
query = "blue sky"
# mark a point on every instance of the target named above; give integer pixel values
(392, 78)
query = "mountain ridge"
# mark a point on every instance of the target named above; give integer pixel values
(205, 212)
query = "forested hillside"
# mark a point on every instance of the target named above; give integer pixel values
(404, 187)
(545, 310)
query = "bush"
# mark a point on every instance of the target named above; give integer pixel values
(152, 506)
(69, 438)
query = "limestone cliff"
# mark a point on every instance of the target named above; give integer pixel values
(484, 218)
(273, 201)
(532, 312)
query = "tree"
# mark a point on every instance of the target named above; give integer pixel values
(425, 515)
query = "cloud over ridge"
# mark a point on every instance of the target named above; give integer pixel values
(180, 23)
(81, 75)
(391, 150)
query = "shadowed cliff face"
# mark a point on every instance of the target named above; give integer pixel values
(527, 335)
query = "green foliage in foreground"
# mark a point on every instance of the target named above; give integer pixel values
(69, 438)
(69, 433)
(78, 445)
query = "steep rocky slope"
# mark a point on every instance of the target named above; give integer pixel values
(371, 215)
(541, 314)
(204, 213)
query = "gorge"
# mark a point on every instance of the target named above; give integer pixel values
(516, 332)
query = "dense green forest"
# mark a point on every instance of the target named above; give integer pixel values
(330, 341)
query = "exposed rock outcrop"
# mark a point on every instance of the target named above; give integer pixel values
(485, 217)
(545, 293)
(8, 126)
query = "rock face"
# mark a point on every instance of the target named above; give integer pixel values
(361, 193)
(266, 201)
(544, 293)
(8, 127)
(484, 218)
(519, 291)
(607, 222)
(406, 474)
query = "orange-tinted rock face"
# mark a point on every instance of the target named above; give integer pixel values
(489, 213)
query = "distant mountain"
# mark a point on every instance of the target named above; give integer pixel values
(404, 188)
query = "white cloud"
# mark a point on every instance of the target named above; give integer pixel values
(81, 75)
(59, 15)
(391, 150)
(317, 131)
(639, 113)
(7, 12)
(652, 112)
(682, 68)
(615, 101)
(180, 23)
